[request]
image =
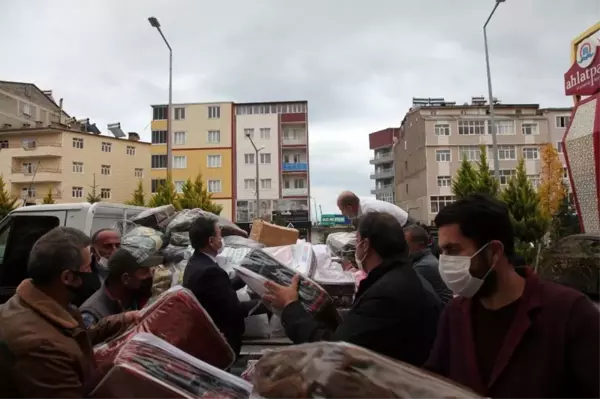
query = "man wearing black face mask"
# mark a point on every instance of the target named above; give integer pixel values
(127, 287)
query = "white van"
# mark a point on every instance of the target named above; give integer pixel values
(21, 228)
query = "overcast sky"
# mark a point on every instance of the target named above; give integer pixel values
(357, 63)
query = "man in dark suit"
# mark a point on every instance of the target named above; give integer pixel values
(211, 284)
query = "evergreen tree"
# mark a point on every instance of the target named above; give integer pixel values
(552, 189)
(465, 181)
(195, 195)
(137, 198)
(7, 202)
(486, 182)
(165, 195)
(524, 205)
(93, 196)
(48, 199)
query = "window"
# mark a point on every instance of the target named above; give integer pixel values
(471, 153)
(105, 193)
(444, 181)
(535, 180)
(28, 168)
(265, 133)
(105, 170)
(77, 143)
(559, 146)
(506, 152)
(77, 192)
(179, 138)
(214, 186)
(155, 184)
(26, 109)
(3, 143)
(442, 155)
(562, 121)
(106, 146)
(28, 192)
(506, 175)
(214, 112)
(179, 162)
(565, 173)
(529, 129)
(248, 159)
(214, 161)
(249, 184)
(466, 127)
(439, 202)
(504, 127)
(265, 158)
(138, 172)
(531, 153)
(179, 186)
(77, 167)
(265, 184)
(159, 113)
(214, 136)
(249, 133)
(158, 161)
(442, 130)
(159, 137)
(299, 183)
(130, 150)
(179, 113)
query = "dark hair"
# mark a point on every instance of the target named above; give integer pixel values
(384, 232)
(56, 251)
(120, 262)
(201, 231)
(481, 218)
(97, 233)
(418, 234)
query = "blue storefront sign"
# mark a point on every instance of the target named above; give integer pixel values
(334, 220)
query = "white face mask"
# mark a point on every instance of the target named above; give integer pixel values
(359, 262)
(103, 263)
(454, 270)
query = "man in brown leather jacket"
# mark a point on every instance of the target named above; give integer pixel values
(45, 350)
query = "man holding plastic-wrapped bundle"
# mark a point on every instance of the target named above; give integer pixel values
(393, 312)
(212, 286)
(45, 349)
(353, 207)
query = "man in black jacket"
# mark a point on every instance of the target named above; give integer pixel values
(211, 284)
(393, 313)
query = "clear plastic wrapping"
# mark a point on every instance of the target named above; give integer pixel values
(341, 370)
(231, 257)
(343, 245)
(257, 326)
(258, 267)
(184, 220)
(181, 239)
(237, 241)
(298, 257)
(144, 243)
(175, 254)
(157, 218)
(178, 318)
(167, 276)
(148, 367)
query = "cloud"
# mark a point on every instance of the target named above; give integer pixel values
(358, 63)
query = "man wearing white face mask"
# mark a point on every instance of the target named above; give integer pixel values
(392, 314)
(508, 334)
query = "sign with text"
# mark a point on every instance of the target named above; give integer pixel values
(334, 220)
(583, 78)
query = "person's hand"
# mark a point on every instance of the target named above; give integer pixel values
(280, 296)
(347, 265)
(132, 317)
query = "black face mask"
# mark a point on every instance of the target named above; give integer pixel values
(145, 290)
(76, 291)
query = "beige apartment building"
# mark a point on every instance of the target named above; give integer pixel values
(43, 149)
(436, 135)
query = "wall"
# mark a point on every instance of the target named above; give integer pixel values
(197, 162)
(12, 97)
(244, 146)
(383, 137)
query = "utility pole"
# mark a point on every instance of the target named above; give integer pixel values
(257, 183)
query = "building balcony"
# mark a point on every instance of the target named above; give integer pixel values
(386, 188)
(34, 149)
(292, 141)
(301, 167)
(383, 174)
(382, 158)
(295, 192)
(36, 176)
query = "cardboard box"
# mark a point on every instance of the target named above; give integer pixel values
(272, 235)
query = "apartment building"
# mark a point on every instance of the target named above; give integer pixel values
(280, 131)
(202, 143)
(436, 135)
(26, 104)
(382, 143)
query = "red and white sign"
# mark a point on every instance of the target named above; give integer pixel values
(583, 78)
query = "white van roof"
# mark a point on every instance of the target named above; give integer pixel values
(84, 206)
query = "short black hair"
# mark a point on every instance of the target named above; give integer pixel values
(202, 229)
(384, 232)
(120, 262)
(97, 233)
(481, 218)
(418, 234)
(56, 251)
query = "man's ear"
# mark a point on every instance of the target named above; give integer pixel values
(497, 250)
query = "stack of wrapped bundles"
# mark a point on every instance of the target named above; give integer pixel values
(339, 283)
(341, 370)
(343, 246)
(183, 221)
(148, 367)
(156, 218)
(179, 319)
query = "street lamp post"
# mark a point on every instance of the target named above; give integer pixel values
(257, 183)
(490, 95)
(155, 24)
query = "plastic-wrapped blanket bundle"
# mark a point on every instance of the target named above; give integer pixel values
(144, 243)
(167, 276)
(257, 326)
(184, 220)
(341, 370)
(148, 367)
(298, 257)
(258, 267)
(343, 245)
(177, 317)
(231, 257)
(157, 218)
(237, 242)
